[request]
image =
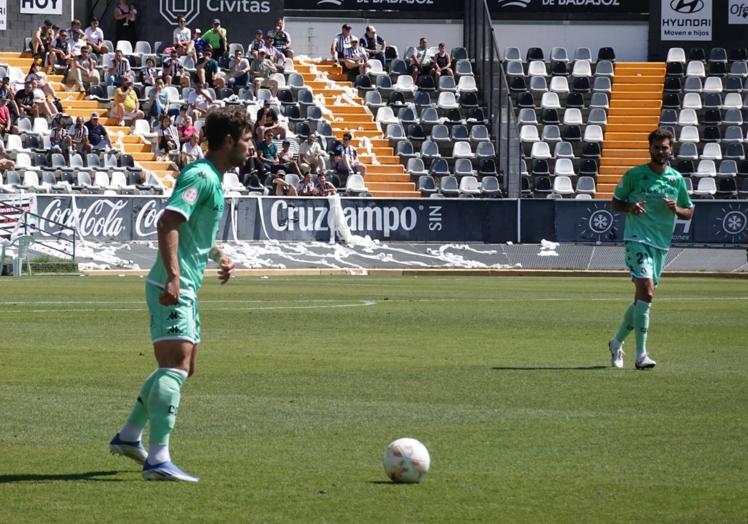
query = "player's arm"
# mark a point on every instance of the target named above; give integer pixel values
(168, 243)
(225, 264)
(684, 213)
(621, 206)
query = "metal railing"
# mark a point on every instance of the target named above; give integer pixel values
(27, 223)
(478, 37)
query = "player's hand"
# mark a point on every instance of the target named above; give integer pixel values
(170, 294)
(638, 208)
(669, 203)
(225, 269)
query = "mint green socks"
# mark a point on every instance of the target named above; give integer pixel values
(158, 403)
(627, 325)
(641, 326)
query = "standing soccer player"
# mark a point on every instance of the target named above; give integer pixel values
(186, 233)
(651, 195)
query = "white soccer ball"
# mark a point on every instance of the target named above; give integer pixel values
(406, 460)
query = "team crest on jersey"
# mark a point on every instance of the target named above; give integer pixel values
(190, 196)
(671, 179)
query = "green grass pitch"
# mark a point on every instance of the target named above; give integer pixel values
(302, 382)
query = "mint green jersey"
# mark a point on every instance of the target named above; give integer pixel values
(198, 196)
(655, 227)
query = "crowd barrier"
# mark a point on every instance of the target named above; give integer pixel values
(133, 218)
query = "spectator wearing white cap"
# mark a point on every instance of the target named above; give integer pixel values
(373, 44)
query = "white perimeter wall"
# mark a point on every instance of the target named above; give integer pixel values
(629, 39)
(312, 36)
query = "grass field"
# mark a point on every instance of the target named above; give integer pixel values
(301, 383)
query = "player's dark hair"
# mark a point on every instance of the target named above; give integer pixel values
(225, 121)
(660, 134)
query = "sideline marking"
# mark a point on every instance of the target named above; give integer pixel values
(362, 303)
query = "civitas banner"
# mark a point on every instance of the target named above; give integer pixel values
(686, 20)
(603, 7)
(240, 18)
(737, 12)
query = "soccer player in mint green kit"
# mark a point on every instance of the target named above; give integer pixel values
(651, 195)
(186, 233)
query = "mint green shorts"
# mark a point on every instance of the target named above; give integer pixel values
(645, 261)
(180, 321)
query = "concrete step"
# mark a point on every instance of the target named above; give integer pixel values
(385, 169)
(376, 187)
(375, 177)
(397, 194)
(615, 117)
(628, 128)
(611, 136)
(144, 156)
(655, 87)
(610, 179)
(637, 79)
(634, 112)
(155, 165)
(338, 133)
(627, 144)
(91, 105)
(640, 96)
(639, 66)
(138, 147)
(637, 104)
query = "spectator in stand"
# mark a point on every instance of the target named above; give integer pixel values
(306, 186)
(59, 138)
(42, 103)
(373, 44)
(8, 93)
(238, 70)
(267, 153)
(97, 135)
(42, 40)
(419, 63)
(199, 45)
(173, 71)
(182, 39)
(200, 101)
(126, 105)
(311, 155)
(216, 38)
(160, 103)
(95, 38)
(250, 163)
(323, 187)
(282, 188)
(267, 121)
(186, 129)
(150, 73)
(260, 71)
(191, 150)
(60, 51)
(355, 59)
(39, 78)
(285, 156)
(25, 101)
(256, 44)
(125, 16)
(78, 43)
(281, 38)
(340, 43)
(79, 137)
(208, 72)
(347, 158)
(83, 71)
(6, 164)
(119, 70)
(6, 121)
(274, 54)
(168, 138)
(442, 63)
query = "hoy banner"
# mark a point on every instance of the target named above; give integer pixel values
(686, 20)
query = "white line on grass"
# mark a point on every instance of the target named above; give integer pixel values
(362, 303)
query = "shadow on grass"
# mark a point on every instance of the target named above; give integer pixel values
(548, 368)
(390, 483)
(40, 477)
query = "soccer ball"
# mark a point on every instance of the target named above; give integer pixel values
(406, 460)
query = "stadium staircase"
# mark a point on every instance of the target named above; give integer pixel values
(76, 104)
(635, 104)
(385, 175)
